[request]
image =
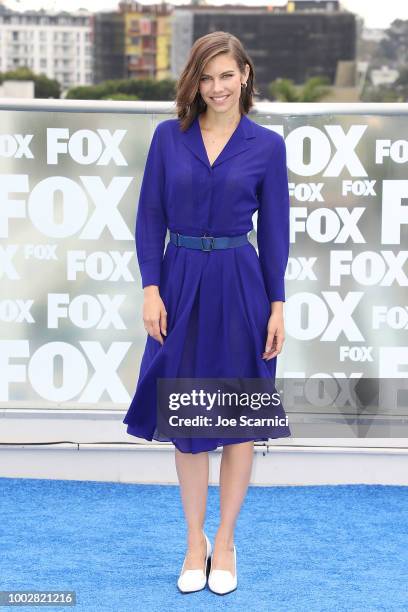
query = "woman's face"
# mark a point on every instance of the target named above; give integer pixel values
(220, 83)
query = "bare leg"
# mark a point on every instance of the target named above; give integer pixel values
(235, 473)
(192, 471)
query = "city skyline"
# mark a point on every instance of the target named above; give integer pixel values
(380, 17)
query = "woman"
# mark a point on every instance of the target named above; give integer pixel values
(211, 308)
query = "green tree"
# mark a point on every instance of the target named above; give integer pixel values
(381, 93)
(312, 91)
(43, 86)
(119, 96)
(393, 48)
(131, 89)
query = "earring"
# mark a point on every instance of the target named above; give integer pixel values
(243, 84)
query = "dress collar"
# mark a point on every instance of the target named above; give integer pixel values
(239, 141)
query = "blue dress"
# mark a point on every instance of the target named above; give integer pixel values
(217, 302)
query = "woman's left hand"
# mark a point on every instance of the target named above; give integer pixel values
(276, 336)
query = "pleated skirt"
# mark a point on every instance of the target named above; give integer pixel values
(217, 316)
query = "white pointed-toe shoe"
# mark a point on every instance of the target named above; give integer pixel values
(195, 579)
(223, 581)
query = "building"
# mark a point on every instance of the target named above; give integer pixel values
(282, 42)
(133, 43)
(312, 5)
(383, 76)
(108, 46)
(58, 45)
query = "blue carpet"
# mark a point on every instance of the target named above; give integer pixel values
(121, 546)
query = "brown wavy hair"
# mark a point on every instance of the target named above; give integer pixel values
(189, 102)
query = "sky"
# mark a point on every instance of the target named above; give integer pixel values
(376, 14)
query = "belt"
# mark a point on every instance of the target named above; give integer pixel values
(208, 243)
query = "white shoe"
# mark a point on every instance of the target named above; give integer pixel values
(223, 581)
(195, 579)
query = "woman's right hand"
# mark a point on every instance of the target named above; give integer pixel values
(154, 313)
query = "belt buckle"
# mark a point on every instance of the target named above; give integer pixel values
(177, 239)
(211, 244)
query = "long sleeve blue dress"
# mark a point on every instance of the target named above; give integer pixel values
(218, 302)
